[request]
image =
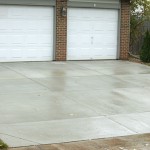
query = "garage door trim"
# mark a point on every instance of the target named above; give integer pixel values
(29, 2)
(109, 4)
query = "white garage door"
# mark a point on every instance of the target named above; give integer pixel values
(26, 33)
(92, 34)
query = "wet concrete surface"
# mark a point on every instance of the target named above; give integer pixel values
(57, 102)
(136, 142)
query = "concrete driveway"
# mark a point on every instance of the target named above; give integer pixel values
(55, 102)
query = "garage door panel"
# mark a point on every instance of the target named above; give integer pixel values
(26, 33)
(16, 53)
(45, 40)
(3, 40)
(4, 24)
(32, 53)
(21, 13)
(82, 55)
(36, 53)
(111, 52)
(83, 39)
(44, 52)
(93, 35)
(30, 27)
(74, 24)
(105, 53)
(104, 40)
(104, 26)
(105, 14)
(31, 40)
(111, 27)
(73, 15)
(13, 26)
(11, 41)
(3, 52)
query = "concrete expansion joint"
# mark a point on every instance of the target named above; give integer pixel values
(19, 138)
(122, 125)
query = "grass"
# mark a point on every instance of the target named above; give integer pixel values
(3, 146)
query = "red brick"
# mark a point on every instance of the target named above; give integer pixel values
(125, 29)
(61, 31)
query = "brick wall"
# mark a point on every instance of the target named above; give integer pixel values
(125, 29)
(61, 31)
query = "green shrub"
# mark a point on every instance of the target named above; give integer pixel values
(3, 146)
(145, 52)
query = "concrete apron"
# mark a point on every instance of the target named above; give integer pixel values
(50, 102)
(136, 142)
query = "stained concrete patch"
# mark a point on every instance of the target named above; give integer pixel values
(85, 83)
(116, 101)
(50, 69)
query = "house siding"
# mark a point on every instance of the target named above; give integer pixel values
(28, 2)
